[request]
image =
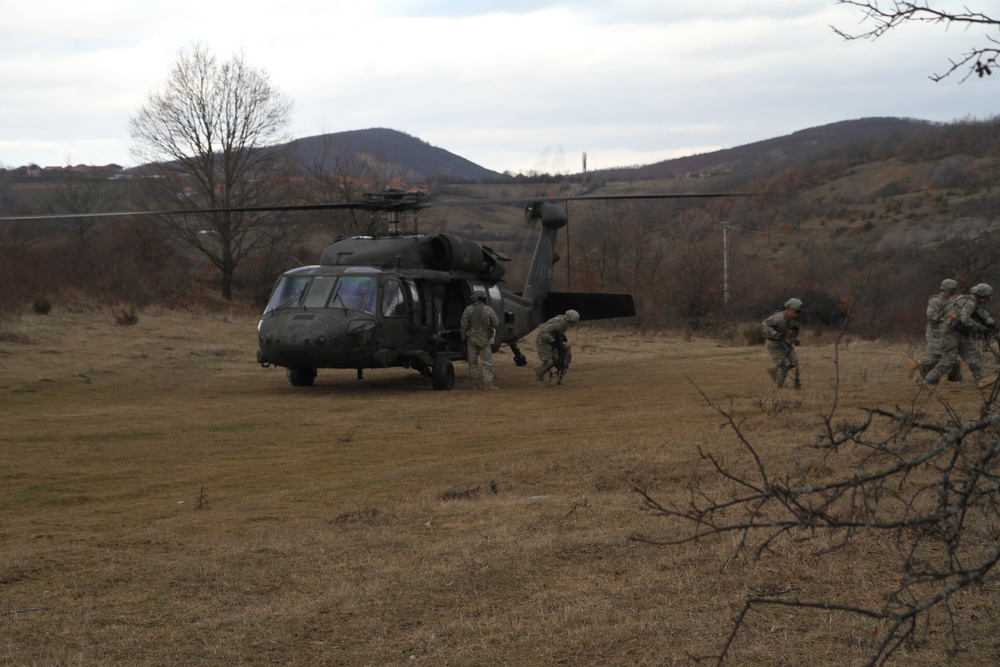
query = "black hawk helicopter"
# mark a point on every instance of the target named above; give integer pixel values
(396, 300)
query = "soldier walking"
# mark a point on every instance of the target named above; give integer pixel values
(937, 307)
(964, 321)
(479, 324)
(552, 335)
(781, 330)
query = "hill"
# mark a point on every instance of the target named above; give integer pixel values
(395, 154)
(413, 160)
(805, 144)
(870, 212)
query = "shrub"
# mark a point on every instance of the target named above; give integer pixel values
(125, 317)
(753, 335)
(41, 306)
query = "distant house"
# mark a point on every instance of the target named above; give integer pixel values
(32, 172)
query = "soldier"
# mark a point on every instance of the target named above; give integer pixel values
(937, 306)
(965, 319)
(552, 334)
(479, 324)
(781, 330)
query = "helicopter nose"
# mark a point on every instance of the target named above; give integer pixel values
(302, 339)
(316, 340)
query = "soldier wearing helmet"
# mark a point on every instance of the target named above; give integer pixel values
(553, 335)
(965, 319)
(781, 331)
(479, 325)
(937, 307)
(983, 291)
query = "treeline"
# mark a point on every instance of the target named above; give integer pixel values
(823, 228)
(827, 228)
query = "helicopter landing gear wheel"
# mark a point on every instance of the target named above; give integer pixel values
(443, 374)
(301, 377)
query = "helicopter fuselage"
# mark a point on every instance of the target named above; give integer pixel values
(397, 301)
(358, 316)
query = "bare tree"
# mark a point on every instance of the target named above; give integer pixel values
(15, 237)
(695, 276)
(208, 134)
(924, 493)
(82, 193)
(884, 15)
(615, 245)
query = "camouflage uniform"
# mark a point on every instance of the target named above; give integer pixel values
(551, 334)
(965, 320)
(937, 307)
(776, 329)
(479, 323)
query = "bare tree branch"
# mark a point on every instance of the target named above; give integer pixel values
(207, 136)
(930, 489)
(884, 16)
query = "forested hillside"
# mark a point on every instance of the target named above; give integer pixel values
(863, 217)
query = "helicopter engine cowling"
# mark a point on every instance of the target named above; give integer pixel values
(451, 253)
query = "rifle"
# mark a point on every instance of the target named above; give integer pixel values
(989, 324)
(561, 356)
(792, 335)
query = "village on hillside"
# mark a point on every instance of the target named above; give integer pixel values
(33, 172)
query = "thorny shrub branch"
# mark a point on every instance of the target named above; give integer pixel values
(929, 488)
(885, 15)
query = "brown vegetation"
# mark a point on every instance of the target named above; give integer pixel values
(166, 500)
(879, 220)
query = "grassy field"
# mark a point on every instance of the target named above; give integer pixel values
(166, 501)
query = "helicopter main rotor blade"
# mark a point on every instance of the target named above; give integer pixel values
(562, 198)
(274, 208)
(376, 203)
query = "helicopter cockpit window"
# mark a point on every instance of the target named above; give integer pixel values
(354, 292)
(287, 293)
(319, 292)
(393, 303)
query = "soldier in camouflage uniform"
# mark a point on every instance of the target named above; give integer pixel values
(937, 306)
(551, 334)
(964, 321)
(781, 330)
(479, 323)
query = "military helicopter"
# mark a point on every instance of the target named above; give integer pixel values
(396, 299)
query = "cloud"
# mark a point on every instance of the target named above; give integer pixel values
(496, 82)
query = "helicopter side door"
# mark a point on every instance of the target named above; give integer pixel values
(416, 315)
(393, 313)
(457, 295)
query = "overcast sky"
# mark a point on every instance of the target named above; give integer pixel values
(518, 85)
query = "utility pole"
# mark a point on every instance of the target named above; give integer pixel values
(569, 276)
(725, 265)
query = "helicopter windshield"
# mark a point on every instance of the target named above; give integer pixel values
(355, 292)
(287, 293)
(319, 292)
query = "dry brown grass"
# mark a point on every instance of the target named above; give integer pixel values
(164, 500)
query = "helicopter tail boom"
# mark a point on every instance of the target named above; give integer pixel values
(539, 281)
